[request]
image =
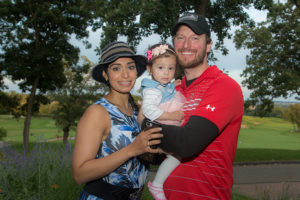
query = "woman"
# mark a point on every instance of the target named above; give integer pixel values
(108, 137)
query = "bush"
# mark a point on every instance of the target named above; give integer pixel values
(3, 133)
(44, 174)
(3, 110)
(292, 114)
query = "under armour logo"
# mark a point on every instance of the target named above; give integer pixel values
(209, 107)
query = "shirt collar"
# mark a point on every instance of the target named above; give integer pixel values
(210, 72)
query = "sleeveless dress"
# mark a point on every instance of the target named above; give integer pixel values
(124, 129)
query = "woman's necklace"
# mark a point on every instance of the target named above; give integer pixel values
(127, 110)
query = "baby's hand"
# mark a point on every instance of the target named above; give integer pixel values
(177, 82)
(179, 115)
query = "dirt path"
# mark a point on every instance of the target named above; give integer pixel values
(268, 181)
(58, 139)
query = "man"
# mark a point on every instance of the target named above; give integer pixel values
(207, 141)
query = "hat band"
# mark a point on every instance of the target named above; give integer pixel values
(116, 51)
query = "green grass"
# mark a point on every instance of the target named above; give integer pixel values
(248, 155)
(260, 139)
(264, 139)
(268, 133)
(40, 128)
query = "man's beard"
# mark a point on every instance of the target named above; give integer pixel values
(195, 62)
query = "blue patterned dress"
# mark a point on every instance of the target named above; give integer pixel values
(124, 129)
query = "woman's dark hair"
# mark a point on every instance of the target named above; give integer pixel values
(106, 71)
(132, 103)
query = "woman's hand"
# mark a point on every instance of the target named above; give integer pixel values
(144, 140)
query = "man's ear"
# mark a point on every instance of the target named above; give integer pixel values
(208, 46)
(149, 69)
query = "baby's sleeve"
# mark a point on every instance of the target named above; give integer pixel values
(151, 100)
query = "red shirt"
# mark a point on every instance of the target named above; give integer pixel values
(218, 98)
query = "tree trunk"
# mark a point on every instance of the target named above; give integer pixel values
(200, 7)
(28, 115)
(66, 135)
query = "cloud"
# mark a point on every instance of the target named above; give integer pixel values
(12, 86)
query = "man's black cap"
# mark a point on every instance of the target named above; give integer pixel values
(196, 22)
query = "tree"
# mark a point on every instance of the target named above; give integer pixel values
(75, 96)
(273, 66)
(34, 42)
(140, 18)
(292, 114)
(8, 102)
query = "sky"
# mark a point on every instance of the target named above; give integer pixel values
(234, 63)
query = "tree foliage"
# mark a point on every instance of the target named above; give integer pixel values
(15, 103)
(136, 19)
(273, 66)
(292, 114)
(75, 96)
(8, 102)
(35, 39)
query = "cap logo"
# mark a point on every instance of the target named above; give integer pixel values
(191, 17)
